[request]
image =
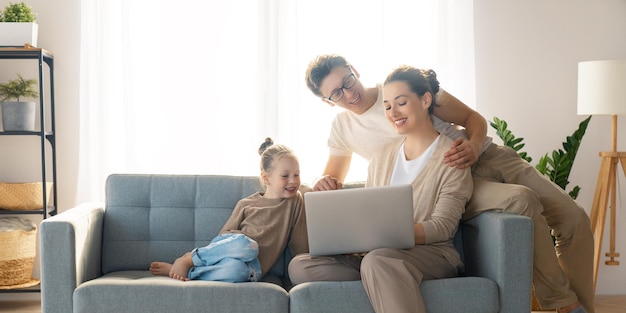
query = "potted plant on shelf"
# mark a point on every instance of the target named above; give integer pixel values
(18, 25)
(18, 115)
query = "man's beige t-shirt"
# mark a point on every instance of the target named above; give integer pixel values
(367, 133)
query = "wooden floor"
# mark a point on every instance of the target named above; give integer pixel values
(604, 304)
(610, 304)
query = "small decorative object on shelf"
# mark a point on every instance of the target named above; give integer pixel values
(18, 115)
(18, 25)
(17, 253)
(23, 196)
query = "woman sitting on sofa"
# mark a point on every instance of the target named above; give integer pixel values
(392, 277)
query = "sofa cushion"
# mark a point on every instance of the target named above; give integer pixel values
(139, 291)
(440, 296)
(452, 294)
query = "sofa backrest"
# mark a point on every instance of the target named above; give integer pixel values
(458, 244)
(159, 217)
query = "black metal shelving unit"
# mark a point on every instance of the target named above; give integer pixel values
(46, 133)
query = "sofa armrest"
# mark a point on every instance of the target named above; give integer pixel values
(499, 246)
(70, 254)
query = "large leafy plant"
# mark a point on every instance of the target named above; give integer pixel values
(556, 165)
(18, 13)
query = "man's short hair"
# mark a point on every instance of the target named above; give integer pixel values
(319, 68)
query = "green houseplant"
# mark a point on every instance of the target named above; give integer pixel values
(18, 13)
(18, 25)
(18, 115)
(556, 165)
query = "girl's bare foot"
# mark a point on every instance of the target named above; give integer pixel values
(181, 266)
(160, 268)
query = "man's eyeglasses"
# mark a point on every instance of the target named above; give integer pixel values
(348, 83)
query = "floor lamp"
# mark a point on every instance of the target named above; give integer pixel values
(602, 91)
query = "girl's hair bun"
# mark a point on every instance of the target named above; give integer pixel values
(266, 144)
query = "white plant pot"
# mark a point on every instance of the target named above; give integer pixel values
(18, 116)
(18, 34)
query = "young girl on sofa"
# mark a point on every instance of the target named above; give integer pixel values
(258, 230)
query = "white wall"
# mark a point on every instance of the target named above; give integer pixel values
(527, 53)
(526, 69)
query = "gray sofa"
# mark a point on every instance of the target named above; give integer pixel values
(94, 258)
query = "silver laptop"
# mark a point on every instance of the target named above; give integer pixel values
(359, 220)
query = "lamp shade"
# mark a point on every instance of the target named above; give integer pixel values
(602, 87)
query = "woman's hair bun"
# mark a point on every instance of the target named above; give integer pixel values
(266, 144)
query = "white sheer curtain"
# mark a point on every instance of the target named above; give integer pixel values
(193, 87)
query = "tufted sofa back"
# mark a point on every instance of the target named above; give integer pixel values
(159, 217)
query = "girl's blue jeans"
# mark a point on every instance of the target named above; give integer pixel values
(229, 258)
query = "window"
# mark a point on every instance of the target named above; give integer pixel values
(194, 87)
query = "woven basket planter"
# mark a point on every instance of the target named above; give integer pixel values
(23, 196)
(17, 252)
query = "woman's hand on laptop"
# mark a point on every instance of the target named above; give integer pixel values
(327, 182)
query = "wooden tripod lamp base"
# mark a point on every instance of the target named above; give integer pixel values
(605, 192)
(612, 261)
